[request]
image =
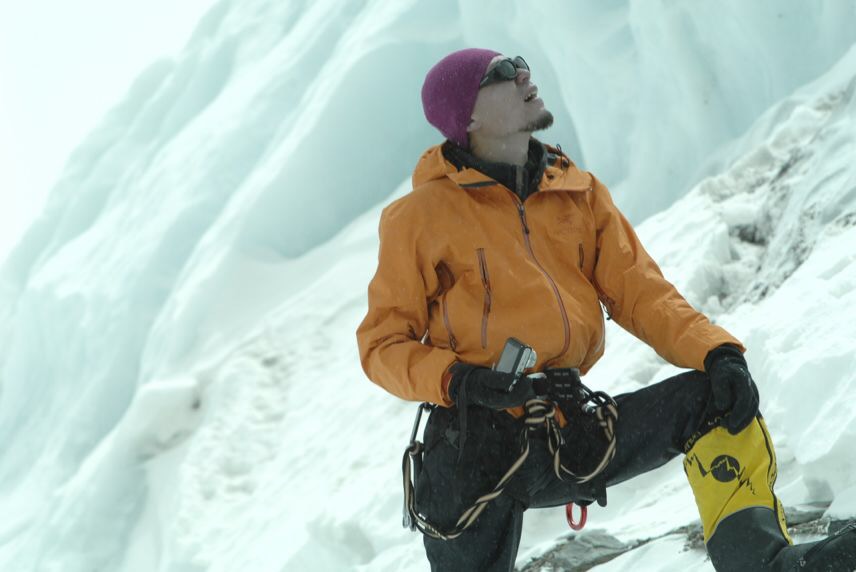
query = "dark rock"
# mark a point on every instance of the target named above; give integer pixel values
(580, 552)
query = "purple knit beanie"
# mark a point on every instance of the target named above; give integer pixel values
(450, 90)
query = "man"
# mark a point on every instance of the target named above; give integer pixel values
(503, 237)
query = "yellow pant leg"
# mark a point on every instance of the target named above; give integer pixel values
(729, 473)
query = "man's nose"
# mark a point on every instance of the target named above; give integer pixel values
(522, 76)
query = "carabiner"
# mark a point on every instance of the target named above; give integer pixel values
(422, 407)
(569, 513)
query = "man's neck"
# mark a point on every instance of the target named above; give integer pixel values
(513, 149)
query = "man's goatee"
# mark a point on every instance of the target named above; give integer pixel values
(543, 121)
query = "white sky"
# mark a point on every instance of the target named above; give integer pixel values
(63, 64)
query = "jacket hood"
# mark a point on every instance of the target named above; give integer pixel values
(561, 174)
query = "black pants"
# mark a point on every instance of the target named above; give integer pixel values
(653, 425)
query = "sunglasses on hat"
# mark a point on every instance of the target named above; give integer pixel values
(504, 70)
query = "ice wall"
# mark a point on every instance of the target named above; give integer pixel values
(655, 87)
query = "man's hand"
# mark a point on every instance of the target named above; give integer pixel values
(734, 392)
(472, 384)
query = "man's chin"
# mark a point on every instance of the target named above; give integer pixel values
(543, 121)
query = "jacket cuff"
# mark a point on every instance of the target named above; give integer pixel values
(723, 351)
(446, 380)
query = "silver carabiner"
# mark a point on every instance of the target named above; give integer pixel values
(424, 406)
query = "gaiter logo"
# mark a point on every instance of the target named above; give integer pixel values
(724, 469)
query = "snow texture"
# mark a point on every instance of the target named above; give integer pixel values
(179, 381)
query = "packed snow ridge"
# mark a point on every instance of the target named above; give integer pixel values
(179, 379)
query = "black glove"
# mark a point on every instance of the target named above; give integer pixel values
(472, 384)
(734, 392)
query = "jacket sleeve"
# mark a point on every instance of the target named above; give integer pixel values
(640, 299)
(389, 337)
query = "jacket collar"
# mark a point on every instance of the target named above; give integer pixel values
(558, 173)
(523, 180)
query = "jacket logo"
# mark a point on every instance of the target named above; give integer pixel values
(724, 469)
(565, 223)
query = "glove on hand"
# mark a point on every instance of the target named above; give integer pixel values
(734, 391)
(472, 384)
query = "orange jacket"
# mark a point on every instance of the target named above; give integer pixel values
(464, 264)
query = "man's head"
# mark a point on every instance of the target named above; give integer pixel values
(483, 93)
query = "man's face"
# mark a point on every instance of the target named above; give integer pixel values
(508, 107)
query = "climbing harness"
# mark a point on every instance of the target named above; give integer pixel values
(539, 413)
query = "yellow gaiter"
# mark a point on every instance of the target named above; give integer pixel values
(729, 473)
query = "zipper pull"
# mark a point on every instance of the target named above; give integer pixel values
(523, 217)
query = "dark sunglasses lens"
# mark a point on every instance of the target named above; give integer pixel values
(505, 70)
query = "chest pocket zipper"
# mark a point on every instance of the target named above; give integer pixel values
(485, 277)
(453, 343)
(447, 280)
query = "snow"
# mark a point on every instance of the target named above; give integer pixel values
(663, 555)
(179, 380)
(61, 66)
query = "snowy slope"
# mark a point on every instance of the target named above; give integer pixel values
(767, 249)
(180, 387)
